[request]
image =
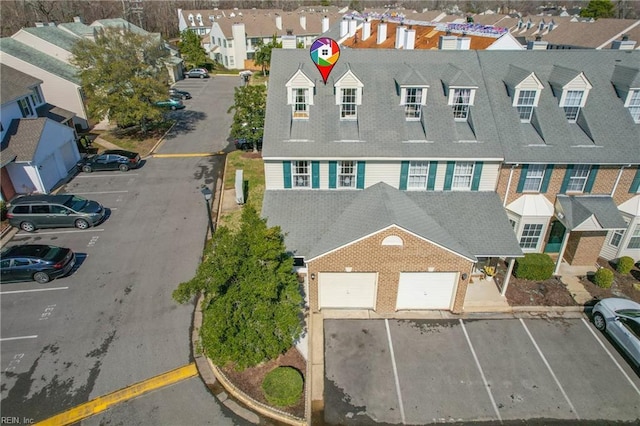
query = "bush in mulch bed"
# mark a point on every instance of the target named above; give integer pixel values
(283, 386)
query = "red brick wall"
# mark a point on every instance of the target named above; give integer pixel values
(622, 193)
(8, 191)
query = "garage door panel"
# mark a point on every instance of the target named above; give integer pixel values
(355, 290)
(426, 290)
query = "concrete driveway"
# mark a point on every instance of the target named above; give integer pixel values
(502, 370)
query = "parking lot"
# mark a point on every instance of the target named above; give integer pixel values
(434, 371)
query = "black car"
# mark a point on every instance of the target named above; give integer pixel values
(35, 262)
(179, 94)
(113, 159)
(246, 145)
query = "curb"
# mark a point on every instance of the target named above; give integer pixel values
(159, 142)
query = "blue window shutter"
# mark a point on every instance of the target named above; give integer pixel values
(523, 177)
(315, 174)
(431, 179)
(286, 171)
(360, 180)
(448, 177)
(567, 177)
(547, 177)
(592, 177)
(477, 172)
(404, 175)
(333, 172)
(636, 182)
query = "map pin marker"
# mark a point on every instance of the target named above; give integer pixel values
(324, 54)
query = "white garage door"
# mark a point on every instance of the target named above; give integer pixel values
(354, 290)
(426, 290)
(68, 153)
(49, 172)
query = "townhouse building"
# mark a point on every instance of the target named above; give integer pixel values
(404, 174)
(38, 147)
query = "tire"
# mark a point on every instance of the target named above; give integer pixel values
(87, 169)
(81, 224)
(201, 76)
(173, 108)
(184, 98)
(123, 167)
(41, 277)
(599, 321)
(27, 226)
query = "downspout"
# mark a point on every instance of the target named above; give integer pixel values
(512, 261)
(37, 170)
(506, 195)
(615, 185)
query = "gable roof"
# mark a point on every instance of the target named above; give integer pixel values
(319, 221)
(38, 59)
(15, 84)
(78, 28)
(578, 210)
(54, 35)
(22, 138)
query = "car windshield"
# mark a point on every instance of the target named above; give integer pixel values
(42, 252)
(76, 203)
(633, 313)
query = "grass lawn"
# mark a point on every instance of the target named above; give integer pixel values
(253, 171)
(133, 139)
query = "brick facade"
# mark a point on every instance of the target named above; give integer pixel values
(583, 248)
(624, 185)
(369, 255)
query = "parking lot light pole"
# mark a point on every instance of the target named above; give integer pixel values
(206, 192)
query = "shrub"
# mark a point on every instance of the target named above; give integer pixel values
(282, 386)
(603, 278)
(534, 266)
(625, 265)
(3, 211)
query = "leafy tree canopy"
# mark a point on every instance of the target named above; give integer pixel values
(252, 304)
(122, 74)
(249, 110)
(263, 53)
(599, 9)
(191, 50)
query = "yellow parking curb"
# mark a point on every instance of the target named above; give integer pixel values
(193, 154)
(102, 403)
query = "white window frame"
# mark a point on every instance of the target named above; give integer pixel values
(300, 107)
(348, 103)
(525, 103)
(418, 175)
(413, 103)
(461, 99)
(462, 175)
(25, 107)
(300, 174)
(578, 178)
(634, 239)
(572, 103)
(633, 104)
(347, 174)
(531, 236)
(533, 179)
(616, 238)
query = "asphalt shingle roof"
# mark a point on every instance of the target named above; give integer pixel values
(22, 138)
(41, 60)
(78, 28)
(15, 84)
(54, 35)
(317, 222)
(577, 209)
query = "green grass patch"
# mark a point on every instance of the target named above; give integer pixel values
(133, 139)
(282, 386)
(253, 175)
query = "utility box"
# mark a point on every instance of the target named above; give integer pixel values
(239, 187)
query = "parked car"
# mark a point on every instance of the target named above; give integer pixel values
(35, 262)
(179, 94)
(620, 318)
(31, 212)
(197, 73)
(246, 145)
(171, 103)
(113, 159)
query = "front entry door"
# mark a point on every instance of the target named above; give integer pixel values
(555, 237)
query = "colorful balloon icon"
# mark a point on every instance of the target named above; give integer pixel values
(324, 54)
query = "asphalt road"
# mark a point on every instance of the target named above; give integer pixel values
(506, 371)
(112, 322)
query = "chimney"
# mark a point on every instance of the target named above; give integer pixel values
(325, 24)
(409, 39)
(78, 19)
(303, 22)
(448, 42)
(382, 32)
(366, 30)
(624, 44)
(538, 44)
(39, 24)
(279, 22)
(344, 28)
(463, 43)
(353, 24)
(289, 40)
(400, 29)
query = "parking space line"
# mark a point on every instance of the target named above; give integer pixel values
(90, 175)
(484, 379)
(395, 371)
(34, 290)
(60, 232)
(544, 359)
(100, 192)
(633, 385)
(5, 339)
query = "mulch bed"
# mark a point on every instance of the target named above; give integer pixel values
(627, 286)
(250, 380)
(551, 292)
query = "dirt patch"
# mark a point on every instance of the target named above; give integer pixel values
(626, 286)
(251, 154)
(551, 292)
(250, 380)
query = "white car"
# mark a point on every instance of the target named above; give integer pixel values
(620, 318)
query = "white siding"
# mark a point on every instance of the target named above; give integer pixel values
(440, 174)
(43, 45)
(608, 251)
(324, 175)
(273, 175)
(382, 171)
(489, 178)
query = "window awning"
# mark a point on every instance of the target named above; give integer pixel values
(589, 213)
(532, 205)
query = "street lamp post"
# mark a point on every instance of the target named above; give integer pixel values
(206, 192)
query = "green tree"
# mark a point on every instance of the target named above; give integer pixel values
(249, 108)
(252, 302)
(262, 56)
(122, 74)
(191, 50)
(598, 9)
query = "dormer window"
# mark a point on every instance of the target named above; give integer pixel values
(460, 100)
(191, 19)
(524, 88)
(301, 103)
(525, 103)
(633, 104)
(348, 105)
(25, 107)
(199, 18)
(348, 95)
(572, 103)
(575, 90)
(413, 98)
(300, 95)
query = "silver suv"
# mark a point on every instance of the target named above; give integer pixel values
(31, 212)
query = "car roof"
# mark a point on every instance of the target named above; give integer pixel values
(28, 199)
(129, 154)
(26, 250)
